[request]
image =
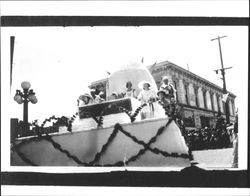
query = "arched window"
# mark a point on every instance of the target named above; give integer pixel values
(186, 93)
(218, 102)
(212, 100)
(204, 98)
(196, 95)
(224, 107)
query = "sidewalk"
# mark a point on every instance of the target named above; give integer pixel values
(214, 158)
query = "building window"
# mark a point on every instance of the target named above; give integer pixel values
(215, 103)
(204, 98)
(224, 107)
(196, 96)
(186, 93)
(218, 103)
(212, 101)
(188, 118)
(221, 104)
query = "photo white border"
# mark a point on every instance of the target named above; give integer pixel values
(227, 8)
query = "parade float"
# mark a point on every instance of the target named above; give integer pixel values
(110, 133)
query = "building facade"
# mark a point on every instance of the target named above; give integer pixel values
(199, 99)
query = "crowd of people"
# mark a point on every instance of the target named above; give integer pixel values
(208, 138)
(166, 96)
(220, 136)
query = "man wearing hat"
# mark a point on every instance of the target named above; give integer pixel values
(162, 97)
(85, 99)
(168, 88)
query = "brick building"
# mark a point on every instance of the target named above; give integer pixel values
(199, 99)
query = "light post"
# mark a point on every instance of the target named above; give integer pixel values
(28, 95)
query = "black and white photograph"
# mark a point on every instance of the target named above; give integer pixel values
(103, 96)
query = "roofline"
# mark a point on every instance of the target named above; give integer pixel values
(98, 81)
(170, 64)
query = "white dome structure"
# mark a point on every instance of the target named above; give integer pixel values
(134, 72)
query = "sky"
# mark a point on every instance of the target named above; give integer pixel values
(60, 62)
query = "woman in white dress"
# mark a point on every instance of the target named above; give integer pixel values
(147, 96)
(130, 92)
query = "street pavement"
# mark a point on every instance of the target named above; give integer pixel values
(214, 158)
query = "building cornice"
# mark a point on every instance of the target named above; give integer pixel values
(185, 106)
(188, 74)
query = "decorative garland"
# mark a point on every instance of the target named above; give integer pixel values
(147, 147)
(132, 116)
(98, 155)
(22, 156)
(67, 153)
(63, 121)
(39, 131)
(99, 120)
(105, 146)
(170, 109)
(71, 120)
(175, 115)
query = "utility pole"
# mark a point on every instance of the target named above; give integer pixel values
(222, 70)
(12, 42)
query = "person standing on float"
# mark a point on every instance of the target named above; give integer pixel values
(130, 92)
(147, 96)
(85, 99)
(168, 88)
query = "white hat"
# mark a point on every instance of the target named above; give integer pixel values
(115, 93)
(85, 95)
(141, 84)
